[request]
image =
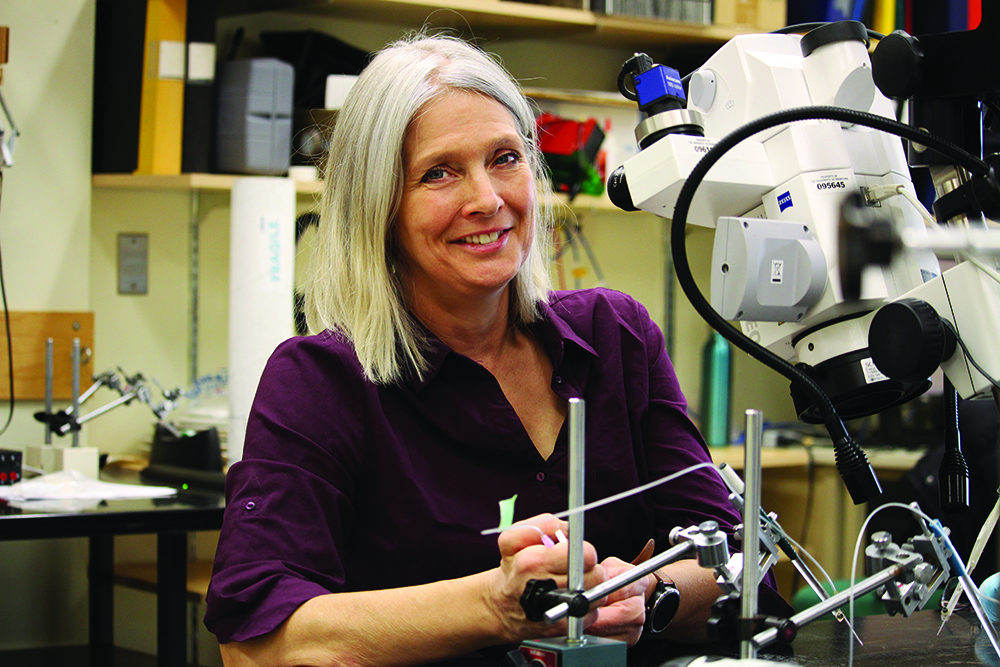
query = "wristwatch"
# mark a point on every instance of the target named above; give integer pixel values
(661, 607)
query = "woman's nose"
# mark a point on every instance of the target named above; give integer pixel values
(483, 197)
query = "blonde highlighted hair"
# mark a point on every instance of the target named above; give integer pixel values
(355, 286)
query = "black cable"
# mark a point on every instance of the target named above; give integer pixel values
(851, 461)
(10, 346)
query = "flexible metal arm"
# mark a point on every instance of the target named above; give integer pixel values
(542, 601)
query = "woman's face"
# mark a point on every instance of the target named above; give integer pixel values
(465, 221)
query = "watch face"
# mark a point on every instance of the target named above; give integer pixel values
(662, 608)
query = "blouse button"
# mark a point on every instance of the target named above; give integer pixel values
(250, 505)
(540, 477)
(558, 379)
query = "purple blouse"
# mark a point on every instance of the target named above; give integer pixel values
(349, 486)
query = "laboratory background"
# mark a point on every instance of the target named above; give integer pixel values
(141, 263)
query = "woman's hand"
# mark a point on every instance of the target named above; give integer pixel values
(524, 556)
(624, 611)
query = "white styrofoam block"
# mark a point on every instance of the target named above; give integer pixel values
(337, 87)
(53, 458)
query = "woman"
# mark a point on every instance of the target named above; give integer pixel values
(377, 450)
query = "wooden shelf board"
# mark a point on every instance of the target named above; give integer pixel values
(887, 460)
(206, 182)
(223, 183)
(595, 98)
(474, 13)
(630, 30)
(504, 18)
(770, 457)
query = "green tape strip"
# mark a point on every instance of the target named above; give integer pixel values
(507, 511)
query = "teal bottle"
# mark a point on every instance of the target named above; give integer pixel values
(716, 390)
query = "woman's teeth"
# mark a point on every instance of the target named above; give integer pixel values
(482, 239)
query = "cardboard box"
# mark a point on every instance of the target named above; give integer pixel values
(761, 15)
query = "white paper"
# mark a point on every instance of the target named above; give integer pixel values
(74, 485)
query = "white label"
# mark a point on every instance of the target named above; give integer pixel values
(777, 270)
(169, 59)
(871, 371)
(201, 62)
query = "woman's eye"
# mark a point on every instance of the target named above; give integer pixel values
(433, 175)
(507, 158)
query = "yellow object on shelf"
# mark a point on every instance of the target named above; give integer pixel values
(161, 114)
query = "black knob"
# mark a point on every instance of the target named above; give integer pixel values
(908, 341)
(618, 190)
(898, 65)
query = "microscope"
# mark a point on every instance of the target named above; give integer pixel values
(788, 146)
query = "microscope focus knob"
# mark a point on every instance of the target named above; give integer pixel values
(898, 65)
(908, 340)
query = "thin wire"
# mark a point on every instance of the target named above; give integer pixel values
(917, 204)
(617, 496)
(977, 550)
(854, 561)
(810, 495)
(10, 346)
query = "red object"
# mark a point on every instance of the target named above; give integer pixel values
(561, 136)
(975, 13)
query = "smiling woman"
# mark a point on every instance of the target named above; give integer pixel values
(437, 385)
(357, 287)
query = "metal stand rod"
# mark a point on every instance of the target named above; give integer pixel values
(49, 381)
(76, 388)
(751, 524)
(124, 398)
(671, 555)
(809, 615)
(194, 242)
(577, 427)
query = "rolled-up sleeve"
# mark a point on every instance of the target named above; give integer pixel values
(289, 501)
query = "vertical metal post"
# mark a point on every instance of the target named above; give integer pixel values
(751, 524)
(76, 389)
(577, 426)
(49, 377)
(194, 241)
(669, 281)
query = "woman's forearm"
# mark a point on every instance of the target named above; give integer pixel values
(425, 623)
(403, 626)
(698, 591)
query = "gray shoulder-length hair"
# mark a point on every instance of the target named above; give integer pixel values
(355, 288)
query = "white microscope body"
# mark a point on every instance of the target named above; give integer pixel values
(775, 202)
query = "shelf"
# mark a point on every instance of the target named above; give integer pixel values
(224, 182)
(627, 30)
(476, 14)
(201, 182)
(504, 18)
(887, 460)
(591, 97)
